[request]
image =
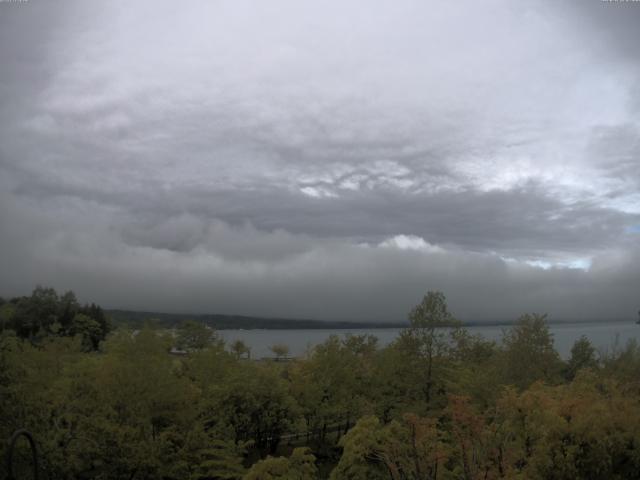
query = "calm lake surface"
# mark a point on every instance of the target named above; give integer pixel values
(604, 336)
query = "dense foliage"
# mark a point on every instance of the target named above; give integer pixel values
(46, 314)
(438, 403)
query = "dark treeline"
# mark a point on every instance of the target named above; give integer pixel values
(435, 404)
(46, 314)
(133, 319)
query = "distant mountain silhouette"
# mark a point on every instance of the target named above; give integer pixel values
(135, 319)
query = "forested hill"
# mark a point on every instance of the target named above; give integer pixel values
(136, 319)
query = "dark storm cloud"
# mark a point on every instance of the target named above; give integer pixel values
(330, 162)
(322, 278)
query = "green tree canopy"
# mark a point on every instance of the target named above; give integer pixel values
(583, 355)
(194, 335)
(299, 466)
(529, 352)
(239, 348)
(280, 350)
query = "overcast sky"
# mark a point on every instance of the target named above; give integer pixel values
(330, 160)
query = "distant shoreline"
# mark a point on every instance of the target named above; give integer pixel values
(138, 319)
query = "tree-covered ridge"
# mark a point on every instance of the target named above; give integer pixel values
(435, 404)
(135, 319)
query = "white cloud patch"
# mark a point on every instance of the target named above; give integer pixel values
(409, 242)
(579, 263)
(318, 192)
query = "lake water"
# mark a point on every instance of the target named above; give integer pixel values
(602, 335)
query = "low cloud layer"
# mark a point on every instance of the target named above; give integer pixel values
(325, 161)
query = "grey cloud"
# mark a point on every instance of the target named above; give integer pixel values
(616, 150)
(189, 233)
(521, 222)
(236, 157)
(329, 279)
(615, 23)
